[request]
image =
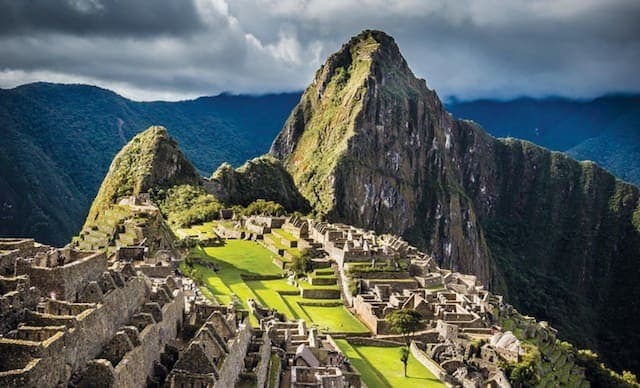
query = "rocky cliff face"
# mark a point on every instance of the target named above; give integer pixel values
(151, 159)
(370, 144)
(259, 178)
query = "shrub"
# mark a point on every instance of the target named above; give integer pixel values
(524, 373)
(601, 376)
(186, 205)
(302, 264)
(262, 207)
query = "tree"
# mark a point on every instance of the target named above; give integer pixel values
(404, 357)
(302, 264)
(405, 322)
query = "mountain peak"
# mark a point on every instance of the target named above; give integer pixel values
(151, 159)
(370, 52)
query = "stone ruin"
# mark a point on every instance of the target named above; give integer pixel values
(312, 359)
(74, 318)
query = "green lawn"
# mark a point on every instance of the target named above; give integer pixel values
(239, 257)
(234, 258)
(284, 234)
(204, 231)
(267, 292)
(329, 318)
(381, 367)
(244, 257)
(335, 319)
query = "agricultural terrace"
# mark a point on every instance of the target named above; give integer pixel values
(245, 270)
(381, 367)
(199, 232)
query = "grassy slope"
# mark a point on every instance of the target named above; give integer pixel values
(240, 257)
(381, 367)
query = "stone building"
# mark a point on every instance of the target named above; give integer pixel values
(73, 318)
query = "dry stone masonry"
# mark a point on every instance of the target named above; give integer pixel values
(79, 319)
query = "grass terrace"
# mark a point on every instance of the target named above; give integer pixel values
(230, 225)
(381, 367)
(284, 234)
(204, 231)
(245, 271)
(275, 238)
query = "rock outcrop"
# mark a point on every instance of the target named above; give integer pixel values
(369, 144)
(259, 178)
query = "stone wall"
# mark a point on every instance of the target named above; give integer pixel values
(375, 324)
(56, 358)
(265, 356)
(428, 363)
(278, 366)
(133, 369)
(234, 362)
(156, 271)
(66, 281)
(314, 293)
(8, 262)
(14, 248)
(368, 341)
(16, 295)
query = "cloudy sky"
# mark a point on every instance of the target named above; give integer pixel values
(176, 49)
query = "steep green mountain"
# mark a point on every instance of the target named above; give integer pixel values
(605, 130)
(151, 160)
(369, 144)
(58, 141)
(259, 178)
(152, 163)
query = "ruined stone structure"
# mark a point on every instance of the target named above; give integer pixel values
(76, 318)
(311, 358)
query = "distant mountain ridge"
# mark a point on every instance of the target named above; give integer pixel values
(605, 130)
(58, 141)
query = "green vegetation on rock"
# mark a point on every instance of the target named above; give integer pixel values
(262, 178)
(323, 122)
(151, 160)
(186, 205)
(58, 141)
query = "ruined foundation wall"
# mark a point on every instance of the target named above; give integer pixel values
(62, 354)
(428, 363)
(156, 271)
(55, 359)
(133, 369)
(66, 281)
(265, 356)
(234, 362)
(97, 328)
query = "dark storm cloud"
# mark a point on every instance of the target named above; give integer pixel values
(469, 48)
(97, 17)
